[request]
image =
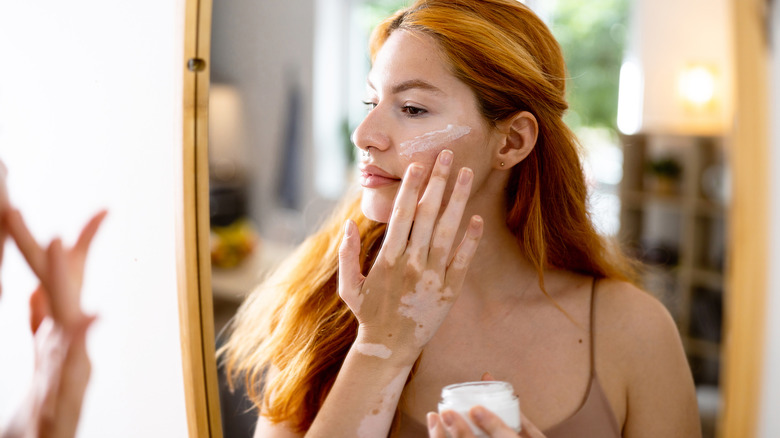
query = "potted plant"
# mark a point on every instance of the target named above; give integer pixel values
(665, 174)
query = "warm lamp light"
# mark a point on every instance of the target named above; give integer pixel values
(696, 85)
(227, 153)
(681, 51)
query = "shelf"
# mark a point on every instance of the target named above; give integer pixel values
(707, 277)
(702, 348)
(685, 228)
(639, 199)
(235, 283)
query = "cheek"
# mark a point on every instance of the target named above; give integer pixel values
(430, 143)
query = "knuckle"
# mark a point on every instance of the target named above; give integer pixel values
(401, 212)
(461, 260)
(445, 231)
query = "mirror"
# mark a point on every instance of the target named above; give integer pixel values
(274, 91)
(94, 114)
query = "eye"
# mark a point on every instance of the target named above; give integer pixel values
(369, 105)
(413, 110)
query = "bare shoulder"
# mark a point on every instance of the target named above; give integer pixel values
(632, 316)
(634, 330)
(640, 357)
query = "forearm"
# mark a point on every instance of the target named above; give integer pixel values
(364, 396)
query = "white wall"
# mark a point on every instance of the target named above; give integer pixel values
(90, 117)
(673, 45)
(769, 426)
(262, 48)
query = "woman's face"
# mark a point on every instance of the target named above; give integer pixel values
(417, 108)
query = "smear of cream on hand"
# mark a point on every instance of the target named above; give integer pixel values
(377, 350)
(380, 417)
(433, 139)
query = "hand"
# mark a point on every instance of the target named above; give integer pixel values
(62, 366)
(489, 422)
(60, 282)
(5, 206)
(413, 283)
(451, 424)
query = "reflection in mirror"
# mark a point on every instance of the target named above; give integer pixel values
(288, 81)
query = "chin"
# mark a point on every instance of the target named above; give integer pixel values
(375, 207)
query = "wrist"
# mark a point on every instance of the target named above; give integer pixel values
(386, 349)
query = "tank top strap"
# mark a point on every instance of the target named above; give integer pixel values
(592, 324)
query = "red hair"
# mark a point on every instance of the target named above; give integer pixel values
(296, 321)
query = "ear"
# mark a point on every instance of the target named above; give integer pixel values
(518, 134)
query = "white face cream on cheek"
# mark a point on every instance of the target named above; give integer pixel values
(432, 140)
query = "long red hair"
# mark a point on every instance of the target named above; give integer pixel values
(296, 322)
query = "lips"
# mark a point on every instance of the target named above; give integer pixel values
(374, 177)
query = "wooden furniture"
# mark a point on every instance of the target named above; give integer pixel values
(677, 227)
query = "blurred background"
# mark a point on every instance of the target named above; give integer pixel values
(650, 91)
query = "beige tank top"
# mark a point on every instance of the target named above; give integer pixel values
(594, 418)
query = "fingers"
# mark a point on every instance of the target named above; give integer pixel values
(435, 426)
(403, 215)
(39, 308)
(350, 277)
(88, 232)
(455, 425)
(28, 246)
(428, 208)
(487, 377)
(5, 204)
(456, 272)
(491, 423)
(62, 293)
(449, 223)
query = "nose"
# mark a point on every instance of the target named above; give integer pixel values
(372, 131)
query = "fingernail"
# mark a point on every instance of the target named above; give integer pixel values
(478, 413)
(347, 229)
(431, 420)
(465, 175)
(445, 157)
(415, 170)
(448, 417)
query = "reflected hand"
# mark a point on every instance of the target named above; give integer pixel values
(62, 366)
(60, 282)
(413, 283)
(5, 206)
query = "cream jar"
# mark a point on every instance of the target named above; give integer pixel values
(497, 397)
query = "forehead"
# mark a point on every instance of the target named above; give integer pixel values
(410, 56)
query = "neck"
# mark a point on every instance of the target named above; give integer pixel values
(499, 267)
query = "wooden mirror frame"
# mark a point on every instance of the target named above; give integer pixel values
(196, 316)
(749, 224)
(748, 275)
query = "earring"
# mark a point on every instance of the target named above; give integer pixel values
(502, 164)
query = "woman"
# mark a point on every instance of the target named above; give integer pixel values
(357, 334)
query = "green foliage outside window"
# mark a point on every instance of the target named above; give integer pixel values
(592, 34)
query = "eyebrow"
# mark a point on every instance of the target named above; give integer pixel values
(411, 84)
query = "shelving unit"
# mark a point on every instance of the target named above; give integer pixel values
(679, 232)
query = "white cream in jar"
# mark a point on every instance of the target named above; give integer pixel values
(497, 397)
